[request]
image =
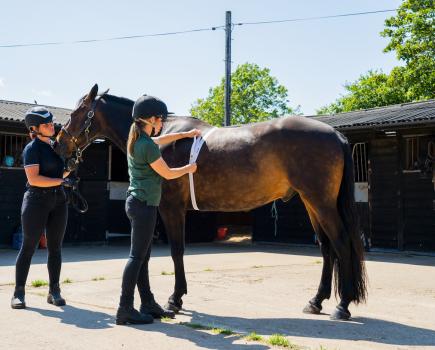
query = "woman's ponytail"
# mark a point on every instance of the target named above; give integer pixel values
(133, 136)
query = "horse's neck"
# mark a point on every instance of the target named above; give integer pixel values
(118, 122)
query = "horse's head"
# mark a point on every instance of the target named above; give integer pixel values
(64, 144)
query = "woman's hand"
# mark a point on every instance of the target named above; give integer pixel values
(191, 168)
(192, 133)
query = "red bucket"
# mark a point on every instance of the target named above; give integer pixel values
(221, 233)
(43, 243)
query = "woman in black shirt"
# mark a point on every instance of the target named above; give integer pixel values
(44, 205)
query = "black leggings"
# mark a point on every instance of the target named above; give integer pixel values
(143, 220)
(42, 209)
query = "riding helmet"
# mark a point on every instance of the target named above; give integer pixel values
(38, 115)
(149, 106)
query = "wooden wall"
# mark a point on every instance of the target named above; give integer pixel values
(293, 225)
(383, 193)
(12, 188)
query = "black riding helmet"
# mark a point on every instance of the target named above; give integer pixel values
(149, 106)
(38, 115)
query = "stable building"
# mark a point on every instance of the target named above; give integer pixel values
(394, 152)
(103, 183)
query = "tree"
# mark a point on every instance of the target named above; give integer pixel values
(255, 96)
(412, 33)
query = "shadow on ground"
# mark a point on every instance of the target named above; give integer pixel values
(386, 332)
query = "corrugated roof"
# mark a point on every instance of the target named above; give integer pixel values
(16, 111)
(403, 113)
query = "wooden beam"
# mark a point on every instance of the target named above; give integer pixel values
(399, 136)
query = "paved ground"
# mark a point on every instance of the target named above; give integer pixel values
(268, 300)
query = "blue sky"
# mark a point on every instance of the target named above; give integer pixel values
(312, 59)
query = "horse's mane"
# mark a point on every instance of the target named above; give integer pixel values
(112, 98)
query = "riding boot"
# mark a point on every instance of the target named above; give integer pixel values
(127, 313)
(18, 298)
(155, 310)
(54, 297)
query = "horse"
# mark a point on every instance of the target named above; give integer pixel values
(244, 167)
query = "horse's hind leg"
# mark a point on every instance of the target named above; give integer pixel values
(324, 292)
(174, 217)
(333, 226)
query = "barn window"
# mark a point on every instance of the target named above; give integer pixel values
(412, 154)
(360, 161)
(11, 148)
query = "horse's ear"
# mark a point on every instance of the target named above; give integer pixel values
(92, 94)
(105, 92)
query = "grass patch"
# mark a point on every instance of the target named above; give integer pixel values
(166, 319)
(42, 294)
(39, 283)
(254, 337)
(278, 340)
(12, 284)
(192, 325)
(166, 273)
(318, 261)
(209, 270)
(101, 278)
(67, 281)
(322, 348)
(95, 279)
(219, 330)
(257, 267)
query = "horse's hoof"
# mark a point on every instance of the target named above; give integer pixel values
(340, 314)
(312, 309)
(173, 307)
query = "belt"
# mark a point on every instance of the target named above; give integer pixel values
(47, 189)
(194, 152)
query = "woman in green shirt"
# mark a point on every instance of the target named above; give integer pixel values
(146, 169)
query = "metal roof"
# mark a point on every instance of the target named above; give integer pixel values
(16, 111)
(403, 113)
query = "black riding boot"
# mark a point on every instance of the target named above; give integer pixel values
(155, 310)
(18, 298)
(54, 297)
(127, 313)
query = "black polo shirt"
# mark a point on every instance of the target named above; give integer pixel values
(38, 152)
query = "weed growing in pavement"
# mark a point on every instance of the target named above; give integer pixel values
(278, 340)
(257, 267)
(42, 294)
(219, 330)
(166, 319)
(192, 325)
(164, 273)
(12, 284)
(253, 337)
(94, 279)
(318, 261)
(101, 278)
(67, 281)
(322, 348)
(39, 283)
(209, 270)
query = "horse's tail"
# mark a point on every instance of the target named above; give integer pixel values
(348, 213)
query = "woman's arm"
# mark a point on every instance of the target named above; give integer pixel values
(161, 140)
(161, 168)
(35, 179)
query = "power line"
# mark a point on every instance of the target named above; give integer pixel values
(213, 28)
(312, 18)
(110, 39)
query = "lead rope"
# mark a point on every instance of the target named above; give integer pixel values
(75, 192)
(274, 212)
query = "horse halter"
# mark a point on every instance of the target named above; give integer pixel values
(84, 128)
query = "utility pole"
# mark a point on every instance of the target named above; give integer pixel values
(228, 69)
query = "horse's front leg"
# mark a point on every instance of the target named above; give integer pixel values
(173, 216)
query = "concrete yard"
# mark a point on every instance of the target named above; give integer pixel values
(400, 313)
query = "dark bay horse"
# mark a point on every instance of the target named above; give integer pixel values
(245, 167)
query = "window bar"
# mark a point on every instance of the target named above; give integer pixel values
(357, 164)
(365, 164)
(362, 165)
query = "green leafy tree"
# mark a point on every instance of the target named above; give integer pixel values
(412, 33)
(255, 96)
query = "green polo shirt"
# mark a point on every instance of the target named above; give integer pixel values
(145, 183)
